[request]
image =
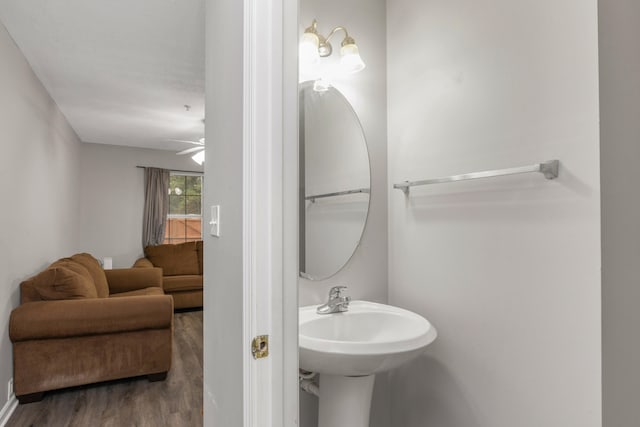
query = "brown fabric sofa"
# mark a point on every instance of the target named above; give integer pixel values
(181, 271)
(79, 324)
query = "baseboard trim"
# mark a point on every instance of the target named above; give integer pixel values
(7, 410)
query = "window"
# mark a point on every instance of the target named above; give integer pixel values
(184, 221)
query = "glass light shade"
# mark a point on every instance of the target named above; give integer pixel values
(351, 61)
(198, 157)
(308, 49)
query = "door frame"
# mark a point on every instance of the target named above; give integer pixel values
(270, 216)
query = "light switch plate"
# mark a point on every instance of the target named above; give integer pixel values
(215, 221)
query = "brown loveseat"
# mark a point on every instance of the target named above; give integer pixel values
(79, 324)
(181, 270)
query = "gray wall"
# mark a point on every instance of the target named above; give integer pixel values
(619, 157)
(507, 269)
(223, 268)
(39, 172)
(366, 272)
(112, 198)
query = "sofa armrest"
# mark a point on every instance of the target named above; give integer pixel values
(90, 316)
(143, 263)
(131, 279)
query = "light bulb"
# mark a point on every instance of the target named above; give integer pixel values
(308, 49)
(351, 61)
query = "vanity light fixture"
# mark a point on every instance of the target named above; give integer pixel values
(314, 46)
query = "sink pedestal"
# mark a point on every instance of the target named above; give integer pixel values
(345, 401)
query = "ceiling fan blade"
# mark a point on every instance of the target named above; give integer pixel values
(188, 142)
(190, 150)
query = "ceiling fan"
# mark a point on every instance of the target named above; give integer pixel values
(198, 157)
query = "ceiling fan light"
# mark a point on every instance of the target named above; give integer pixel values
(198, 157)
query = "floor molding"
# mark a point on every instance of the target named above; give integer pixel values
(7, 410)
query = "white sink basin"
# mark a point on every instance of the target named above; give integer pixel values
(367, 339)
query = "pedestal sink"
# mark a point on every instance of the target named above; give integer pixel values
(347, 350)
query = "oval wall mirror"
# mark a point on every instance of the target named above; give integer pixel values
(334, 181)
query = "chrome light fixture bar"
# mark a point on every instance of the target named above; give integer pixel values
(314, 46)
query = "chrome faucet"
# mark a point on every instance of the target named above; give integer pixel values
(337, 303)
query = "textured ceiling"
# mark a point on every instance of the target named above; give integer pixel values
(121, 71)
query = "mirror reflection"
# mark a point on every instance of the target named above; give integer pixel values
(334, 181)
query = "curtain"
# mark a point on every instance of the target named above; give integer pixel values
(156, 205)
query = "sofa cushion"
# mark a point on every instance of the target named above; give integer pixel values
(57, 283)
(131, 279)
(174, 260)
(93, 316)
(28, 292)
(182, 283)
(96, 271)
(74, 266)
(139, 292)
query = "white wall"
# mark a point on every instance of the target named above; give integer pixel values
(620, 153)
(366, 272)
(507, 269)
(39, 172)
(112, 198)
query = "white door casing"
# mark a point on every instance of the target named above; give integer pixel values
(270, 211)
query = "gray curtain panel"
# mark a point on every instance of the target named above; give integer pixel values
(156, 205)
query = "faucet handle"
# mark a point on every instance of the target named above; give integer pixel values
(336, 291)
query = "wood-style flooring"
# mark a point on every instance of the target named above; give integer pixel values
(175, 402)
